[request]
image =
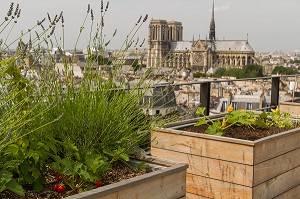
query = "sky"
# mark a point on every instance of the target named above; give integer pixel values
(271, 25)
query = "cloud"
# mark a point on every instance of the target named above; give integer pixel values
(223, 7)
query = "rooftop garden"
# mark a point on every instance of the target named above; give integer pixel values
(58, 133)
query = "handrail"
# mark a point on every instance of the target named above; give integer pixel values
(205, 87)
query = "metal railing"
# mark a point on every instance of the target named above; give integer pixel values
(205, 88)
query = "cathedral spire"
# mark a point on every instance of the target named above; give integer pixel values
(212, 28)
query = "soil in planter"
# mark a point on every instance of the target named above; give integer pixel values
(117, 174)
(241, 132)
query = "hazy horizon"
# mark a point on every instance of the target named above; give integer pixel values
(271, 25)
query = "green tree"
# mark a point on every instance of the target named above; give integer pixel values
(284, 70)
(249, 71)
(220, 72)
(253, 70)
(198, 75)
(295, 62)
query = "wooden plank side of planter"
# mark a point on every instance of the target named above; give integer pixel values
(157, 188)
(276, 145)
(227, 151)
(291, 107)
(210, 188)
(290, 194)
(276, 166)
(208, 167)
(168, 183)
(278, 185)
(193, 196)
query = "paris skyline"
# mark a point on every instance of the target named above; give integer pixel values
(271, 25)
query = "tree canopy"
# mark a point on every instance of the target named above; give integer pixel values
(284, 70)
(249, 71)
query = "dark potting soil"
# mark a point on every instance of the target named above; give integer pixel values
(241, 132)
(117, 174)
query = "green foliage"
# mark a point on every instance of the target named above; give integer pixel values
(99, 59)
(78, 128)
(23, 153)
(284, 70)
(198, 75)
(248, 71)
(142, 166)
(253, 71)
(8, 182)
(281, 119)
(220, 72)
(295, 62)
(244, 118)
(86, 167)
(28, 160)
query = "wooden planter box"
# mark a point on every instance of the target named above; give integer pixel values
(291, 107)
(167, 182)
(221, 167)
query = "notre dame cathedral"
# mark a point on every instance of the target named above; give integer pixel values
(167, 49)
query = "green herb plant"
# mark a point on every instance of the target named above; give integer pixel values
(78, 128)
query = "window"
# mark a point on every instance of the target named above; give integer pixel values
(153, 32)
(249, 106)
(157, 112)
(234, 105)
(224, 106)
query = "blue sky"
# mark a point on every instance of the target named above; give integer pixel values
(271, 24)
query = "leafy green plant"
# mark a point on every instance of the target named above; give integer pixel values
(27, 158)
(280, 119)
(79, 128)
(24, 154)
(244, 118)
(78, 173)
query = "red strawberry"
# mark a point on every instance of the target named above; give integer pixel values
(98, 183)
(57, 178)
(61, 188)
(55, 187)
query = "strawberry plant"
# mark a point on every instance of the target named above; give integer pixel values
(27, 160)
(83, 168)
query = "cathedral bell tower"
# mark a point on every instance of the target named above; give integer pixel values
(160, 34)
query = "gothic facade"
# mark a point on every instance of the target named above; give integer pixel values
(167, 49)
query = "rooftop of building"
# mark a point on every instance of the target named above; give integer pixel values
(220, 45)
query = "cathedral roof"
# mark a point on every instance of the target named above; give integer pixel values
(221, 45)
(234, 45)
(180, 45)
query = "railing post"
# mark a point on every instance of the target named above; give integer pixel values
(275, 92)
(205, 96)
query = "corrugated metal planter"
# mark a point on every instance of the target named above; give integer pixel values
(167, 182)
(222, 167)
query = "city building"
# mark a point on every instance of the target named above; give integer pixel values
(166, 48)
